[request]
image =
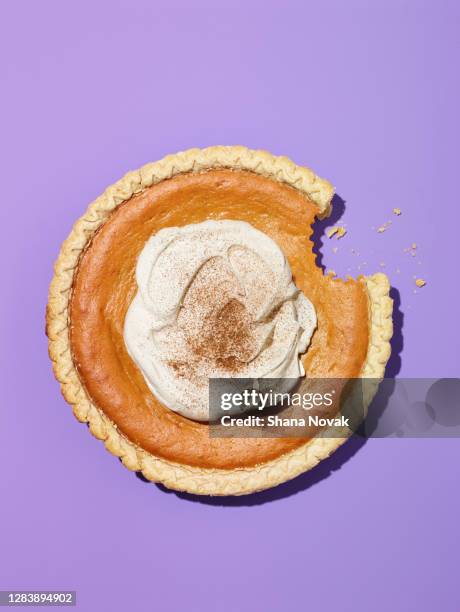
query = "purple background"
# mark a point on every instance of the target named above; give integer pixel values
(363, 92)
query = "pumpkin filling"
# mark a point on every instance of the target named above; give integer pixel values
(105, 287)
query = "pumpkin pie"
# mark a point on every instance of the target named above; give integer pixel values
(148, 255)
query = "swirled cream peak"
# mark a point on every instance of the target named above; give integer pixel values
(215, 299)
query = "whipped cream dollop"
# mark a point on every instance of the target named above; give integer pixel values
(215, 299)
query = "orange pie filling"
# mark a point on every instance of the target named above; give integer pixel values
(105, 285)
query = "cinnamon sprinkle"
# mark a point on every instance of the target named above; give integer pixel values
(218, 328)
(229, 340)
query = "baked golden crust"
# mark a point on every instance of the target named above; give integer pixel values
(174, 475)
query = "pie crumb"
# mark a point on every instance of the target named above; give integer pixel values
(331, 273)
(397, 211)
(384, 227)
(336, 230)
(420, 282)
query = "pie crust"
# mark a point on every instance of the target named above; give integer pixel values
(180, 475)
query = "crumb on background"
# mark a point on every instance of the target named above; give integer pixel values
(420, 282)
(397, 211)
(384, 227)
(337, 231)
